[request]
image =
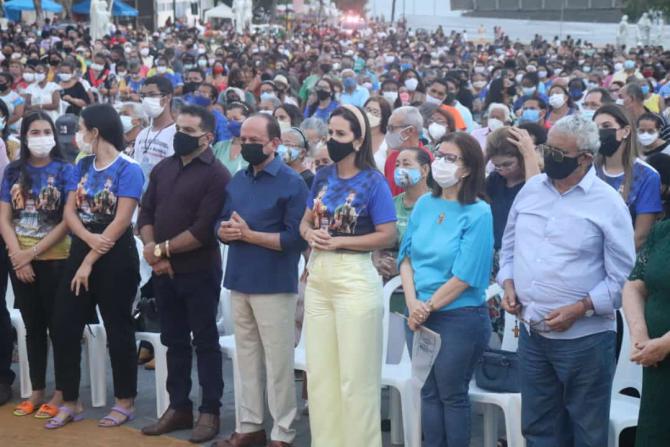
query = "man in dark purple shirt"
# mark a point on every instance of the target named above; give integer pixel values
(183, 198)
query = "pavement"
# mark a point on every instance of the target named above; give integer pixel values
(145, 406)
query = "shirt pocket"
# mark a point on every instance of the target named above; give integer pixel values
(574, 235)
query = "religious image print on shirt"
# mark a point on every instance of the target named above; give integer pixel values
(36, 196)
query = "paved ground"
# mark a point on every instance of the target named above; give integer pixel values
(146, 411)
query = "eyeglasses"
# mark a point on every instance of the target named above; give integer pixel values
(504, 165)
(373, 112)
(402, 127)
(451, 158)
(151, 95)
(537, 326)
(557, 154)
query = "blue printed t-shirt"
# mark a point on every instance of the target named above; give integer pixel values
(38, 210)
(644, 196)
(353, 206)
(446, 239)
(97, 190)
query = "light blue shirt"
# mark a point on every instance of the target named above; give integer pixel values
(446, 239)
(570, 246)
(355, 98)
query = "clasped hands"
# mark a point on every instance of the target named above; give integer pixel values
(419, 312)
(234, 229)
(160, 266)
(322, 240)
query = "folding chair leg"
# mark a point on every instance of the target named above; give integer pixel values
(162, 396)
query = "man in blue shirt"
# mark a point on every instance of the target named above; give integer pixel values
(566, 253)
(260, 222)
(353, 93)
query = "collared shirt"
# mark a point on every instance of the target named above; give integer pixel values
(356, 98)
(272, 201)
(180, 198)
(570, 246)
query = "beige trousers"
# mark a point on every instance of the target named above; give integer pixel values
(264, 342)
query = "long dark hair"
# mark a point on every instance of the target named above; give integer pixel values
(364, 157)
(630, 150)
(20, 165)
(4, 111)
(312, 107)
(472, 186)
(106, 119)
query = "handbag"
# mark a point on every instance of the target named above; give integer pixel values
(498, 371)
(145, 315)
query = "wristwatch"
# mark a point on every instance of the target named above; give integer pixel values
(157, 251)
(588, 313)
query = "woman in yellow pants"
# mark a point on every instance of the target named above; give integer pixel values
(350, 213)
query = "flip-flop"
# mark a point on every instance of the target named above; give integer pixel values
(46, 411)
(115, 422)
(70, 416)
(24, 408)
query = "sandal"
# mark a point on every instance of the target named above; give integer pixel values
(70, 416)
(115, 422)
(24, 408)
(46, 411)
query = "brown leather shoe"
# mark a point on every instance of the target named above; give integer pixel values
(205, 429)
(172, 420)
(279, 444)
(255, 439)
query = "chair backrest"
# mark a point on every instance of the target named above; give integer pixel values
(627, 373)
(9, 295)
(389, 288)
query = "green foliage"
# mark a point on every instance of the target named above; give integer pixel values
(351, 5)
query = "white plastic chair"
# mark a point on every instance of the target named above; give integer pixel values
(510, 403)
(160, 355)
(624, 409)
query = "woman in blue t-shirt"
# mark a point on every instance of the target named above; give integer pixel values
(618, 165)
(350, 213)
(103, 266)
(32, 226)
(445, 262)
(323, 102)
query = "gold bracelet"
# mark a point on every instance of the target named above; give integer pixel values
(167, 248)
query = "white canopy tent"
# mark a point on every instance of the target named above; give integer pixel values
(220, 12)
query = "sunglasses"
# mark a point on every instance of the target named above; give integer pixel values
(557, 154)
(536, 326)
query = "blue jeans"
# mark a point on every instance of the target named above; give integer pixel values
(565, 389)
(445, 404)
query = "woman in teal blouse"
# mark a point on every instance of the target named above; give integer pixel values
(445, 261)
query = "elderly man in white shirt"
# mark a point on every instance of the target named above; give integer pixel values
(567, 249)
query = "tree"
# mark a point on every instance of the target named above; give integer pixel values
(39, 13)
(350, 5)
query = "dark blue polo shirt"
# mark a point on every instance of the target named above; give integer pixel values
(271, 202)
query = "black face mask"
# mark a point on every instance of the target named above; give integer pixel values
(608, 142)
(322, 95)
(190, 87)
(185, 144)
(253, 153)
(511, 91)
(338, 151)
(558, 170)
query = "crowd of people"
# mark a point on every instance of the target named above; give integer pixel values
(543, 166)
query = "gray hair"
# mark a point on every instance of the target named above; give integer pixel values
(136, 112)
(315, 124)
(298, 135)
(585, 130)
(499, 106)
(275, 102)
(411, 116)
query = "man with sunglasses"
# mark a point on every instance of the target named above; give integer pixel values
(563, 276)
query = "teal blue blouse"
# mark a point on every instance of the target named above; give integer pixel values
(446, 239)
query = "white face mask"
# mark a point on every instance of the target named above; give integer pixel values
(646, 139)
(411, 84)
(161, 69)
(83, 146)
(40, 147)
(619, 101)
(152, 107)
(618, 66)
(144, 52)
(433, 100)
(127, 122)
(2, 123)
(437, 131)
(479, 84)
(97, 67)
(390, 96)
(65, 77)
(494, 124)
(444, 173)
(284, 126)
(374, 120)
(557, 100)
(29, 77)
(394, 140)
(588, 114)
(39, 77)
